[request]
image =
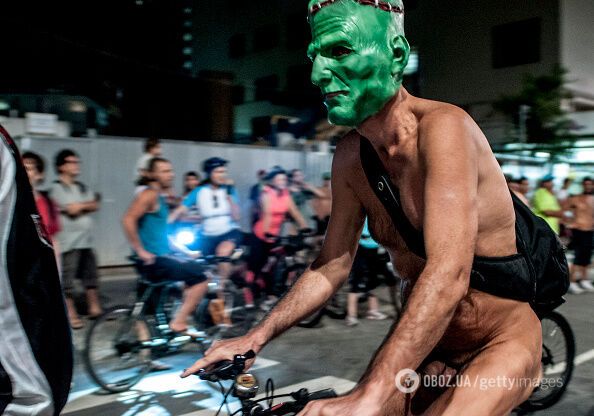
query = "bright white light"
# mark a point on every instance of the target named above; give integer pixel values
(585, 155)
(185, 237)
(542, 154)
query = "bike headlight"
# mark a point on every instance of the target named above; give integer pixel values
(185, 237)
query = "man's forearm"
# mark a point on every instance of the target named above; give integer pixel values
(428, 313)
(131, 231)
(308, 295)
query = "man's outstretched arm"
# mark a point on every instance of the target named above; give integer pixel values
(450, 225)
(316, 285)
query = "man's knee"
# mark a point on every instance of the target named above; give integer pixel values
(225, 248)
(525, 367)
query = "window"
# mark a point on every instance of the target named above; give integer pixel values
(266, 37)
(516, 43)
(298, 33)
(237, 46)
(266, 87)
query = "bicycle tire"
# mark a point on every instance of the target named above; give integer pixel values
(116, 320)
(545, 398)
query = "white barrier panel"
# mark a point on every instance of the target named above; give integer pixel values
(108, 165)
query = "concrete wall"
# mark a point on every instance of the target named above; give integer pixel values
(454, 42)
(108, 165)
(577, 44)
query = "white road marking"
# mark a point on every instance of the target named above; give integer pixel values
(583, 357)
(340, 385)
(158, 383)
(579, 359)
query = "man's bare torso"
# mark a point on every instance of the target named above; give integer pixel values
(583, 209)
(479, 316)
(322, 206)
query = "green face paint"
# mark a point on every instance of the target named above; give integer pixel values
(358, 59)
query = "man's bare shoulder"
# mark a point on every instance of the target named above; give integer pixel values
(148, 195)
(446, 121)
(347, 148)
(437, 114)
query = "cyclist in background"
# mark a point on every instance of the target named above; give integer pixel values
(216, 204)
(145, 226)
(276, 203)
(191, 182)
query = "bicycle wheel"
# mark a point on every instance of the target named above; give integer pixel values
(558, 353)
(115, 355)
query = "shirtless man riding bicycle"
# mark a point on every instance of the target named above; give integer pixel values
(451, 188)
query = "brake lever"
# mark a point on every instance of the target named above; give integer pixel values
(226, 369)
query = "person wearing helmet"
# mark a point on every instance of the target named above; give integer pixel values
(276, 203)
(216, 203)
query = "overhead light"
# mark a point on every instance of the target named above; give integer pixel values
(542, 154)
(77, 107)
(585, 155)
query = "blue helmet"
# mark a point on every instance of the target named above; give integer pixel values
(211, 164)
(275, 170)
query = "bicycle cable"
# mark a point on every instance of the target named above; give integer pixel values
(270, 392)
(225, 396)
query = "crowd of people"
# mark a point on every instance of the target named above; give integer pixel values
(210, 203)
(278, 201)
(570, 215)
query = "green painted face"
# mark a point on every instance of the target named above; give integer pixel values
(358, 60)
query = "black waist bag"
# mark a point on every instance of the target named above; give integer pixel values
(538, 274)
(545, 256)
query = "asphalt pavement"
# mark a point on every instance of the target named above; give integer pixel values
(331, 355)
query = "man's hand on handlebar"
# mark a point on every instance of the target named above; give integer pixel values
(352, 404)
(225, 350)
(146, 257)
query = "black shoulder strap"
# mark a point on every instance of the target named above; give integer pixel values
(389, 195)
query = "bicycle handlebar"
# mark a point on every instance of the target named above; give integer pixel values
(226, 369)
(301, 399)
(230, 369)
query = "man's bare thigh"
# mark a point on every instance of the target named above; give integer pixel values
(495, 379)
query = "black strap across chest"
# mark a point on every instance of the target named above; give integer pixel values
(389, 195)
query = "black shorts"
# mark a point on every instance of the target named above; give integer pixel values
(322, 225)
(170, 268)
(209, 243)
(582, 243)
(79, 264)
(370, 269)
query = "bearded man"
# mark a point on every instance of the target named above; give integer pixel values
(455, 213)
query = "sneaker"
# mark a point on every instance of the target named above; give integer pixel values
(586, 285)
(268, 304)
(575, 289)
(376, 316)
(351, 321)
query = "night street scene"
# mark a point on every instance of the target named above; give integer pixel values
(312, 208)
